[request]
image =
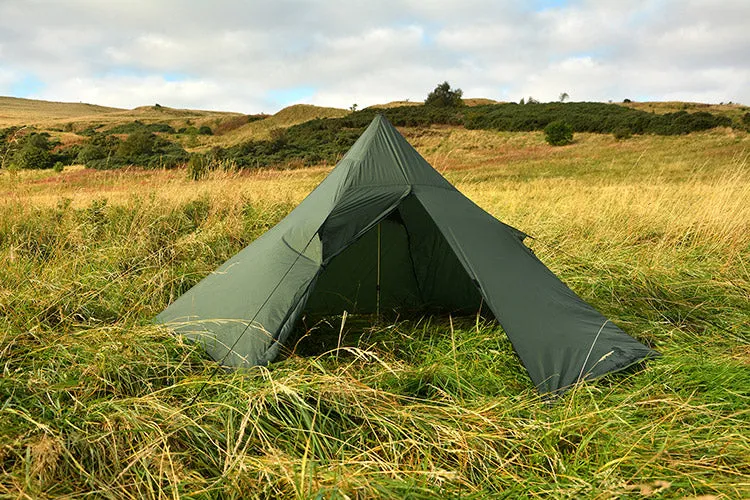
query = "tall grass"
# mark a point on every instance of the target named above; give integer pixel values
(95, 401)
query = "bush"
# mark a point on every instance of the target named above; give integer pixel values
(444, 96)
(138, 143)
(34, 153)
(99, 147)
(197, 167)
(30, 156)
(58, 167)
(137, 126)
(558, 133)
(622, 133)
(205, 130)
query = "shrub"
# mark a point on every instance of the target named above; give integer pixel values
(34, 152)
(205, 130)
(197, 167)
(622, 133)
(30, 156)
(558, 133)
(138, 126)
(9, 144)
(58, 167)
(99, 147)
(138, 143)
(444, 96)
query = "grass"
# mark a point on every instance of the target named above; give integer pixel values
(57, 117)
(18, 111)
(732, 110)
(95, 401)
(262, 129)
(64, 120)
(471, 101)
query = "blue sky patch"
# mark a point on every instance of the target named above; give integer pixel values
(540, 5)
(174, 77)
(284, 97)
(28, 86)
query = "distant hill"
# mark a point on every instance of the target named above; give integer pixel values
(732, 110)
(71, 117)
(181, 132)
(62, 118)
(18, 111)
(470, 101)
(261, 129)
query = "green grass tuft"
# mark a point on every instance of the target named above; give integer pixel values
(95, 400)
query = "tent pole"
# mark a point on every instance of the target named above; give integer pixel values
(377, 282)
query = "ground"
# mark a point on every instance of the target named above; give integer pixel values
(653, 231)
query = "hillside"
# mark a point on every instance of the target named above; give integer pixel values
(261, 129)
(303, 135)
(470, 101)
(732, 110)
(47, 115)
(19, 111)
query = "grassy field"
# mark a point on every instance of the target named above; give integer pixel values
(95, 401)
(261, 130)
(65, 121)
(68, 116)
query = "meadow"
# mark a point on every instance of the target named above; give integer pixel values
(95, 401)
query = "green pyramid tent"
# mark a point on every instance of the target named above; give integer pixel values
(384, 230)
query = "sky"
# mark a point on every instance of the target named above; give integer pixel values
(260, 56)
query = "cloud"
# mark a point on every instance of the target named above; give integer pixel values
(260, 56)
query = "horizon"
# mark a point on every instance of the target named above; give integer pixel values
(732, 103)
(258, 58)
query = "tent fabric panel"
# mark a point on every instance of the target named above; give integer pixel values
(247, 297)
(559, 337)
(356, 213)
(443, 283)
(349, 281)
(386, 158)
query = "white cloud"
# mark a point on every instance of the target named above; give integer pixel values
(232, 55)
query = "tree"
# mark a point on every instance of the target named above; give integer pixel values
(100, 146)
(10, 139)
(563, 97)
(444, 96)
(34, 153)
(558, 133)
(138, 143)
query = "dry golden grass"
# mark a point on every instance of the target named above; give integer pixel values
(261, 129)
(469, 101)
(18, 111)
(47, 115)
(654, 231)
(733, 110)
(667, 185)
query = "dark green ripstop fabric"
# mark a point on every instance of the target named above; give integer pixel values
(438, 251)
